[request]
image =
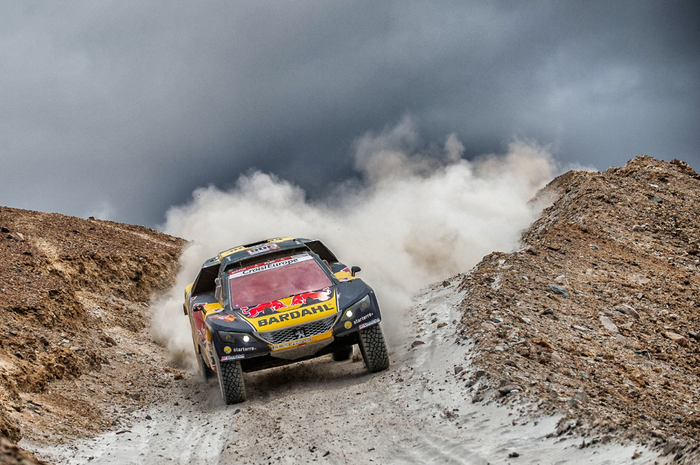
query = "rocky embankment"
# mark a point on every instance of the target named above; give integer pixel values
(597, 316)
(75, 297)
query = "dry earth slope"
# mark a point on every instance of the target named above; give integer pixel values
(75, 294)
(597, 316)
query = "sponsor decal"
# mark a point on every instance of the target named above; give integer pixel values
(292, 343)
(302, 342)
(227, 350)
(293, 315)
(252, 312)
(268, 265)
(297, 300)
(373, 322)
(226, 358)
(319, 296)
(228, 318)
(282, 314)
(363, 318)
(243, 349)
(263, 248)
(348, 325)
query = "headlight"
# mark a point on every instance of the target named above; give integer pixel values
(232, 337)
(358, 306)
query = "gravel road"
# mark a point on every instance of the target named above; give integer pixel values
(418, 411)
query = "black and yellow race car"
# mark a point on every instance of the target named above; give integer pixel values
(276, 302)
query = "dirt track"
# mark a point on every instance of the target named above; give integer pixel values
(328, 412)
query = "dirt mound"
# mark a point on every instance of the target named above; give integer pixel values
(73, 291)
(597, 316)
(10, 454)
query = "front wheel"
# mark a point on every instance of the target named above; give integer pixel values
(373, 349)
(231, 382)
(204, 371)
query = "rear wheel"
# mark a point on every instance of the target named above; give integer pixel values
(373, 348)
(231, 382)
(343, 354)
(204, 371)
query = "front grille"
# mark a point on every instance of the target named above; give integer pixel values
(298, 332)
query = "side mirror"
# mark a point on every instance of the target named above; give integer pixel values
(218, 292)
(354, 270)
(198, 308)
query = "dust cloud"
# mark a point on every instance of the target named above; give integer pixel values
(417, 216)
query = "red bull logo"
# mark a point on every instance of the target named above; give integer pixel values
(296, 301)
(252, 312)
(319, 296)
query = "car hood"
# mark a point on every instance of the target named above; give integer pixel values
(292, 310)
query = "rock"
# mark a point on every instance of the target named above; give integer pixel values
(671, 447)
(608, 324)
(530, 250)
(677, 338)
(565, 426)
(489, 327)
(513, 455)
(627, 310)
(694, 335)
(560, 290)
(581, 396)
(441, 325)
(416, 343)
(507, 389)
(458, 370)
(15, 236)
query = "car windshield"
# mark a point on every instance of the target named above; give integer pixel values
(276, 279)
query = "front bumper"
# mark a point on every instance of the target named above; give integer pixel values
(300, 341)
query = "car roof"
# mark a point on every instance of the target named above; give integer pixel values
(256, 251)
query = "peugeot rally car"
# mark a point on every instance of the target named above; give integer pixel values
(276, 302)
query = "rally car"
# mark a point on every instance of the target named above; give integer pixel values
(276, 302)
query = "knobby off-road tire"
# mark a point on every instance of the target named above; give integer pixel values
(204, 371)
(231, 382)
(373, 348)
(342, 354)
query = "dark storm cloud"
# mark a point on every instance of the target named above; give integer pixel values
(121, 109)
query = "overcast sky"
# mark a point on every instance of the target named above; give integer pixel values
(121, 109)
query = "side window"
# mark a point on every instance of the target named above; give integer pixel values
(218, 292)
